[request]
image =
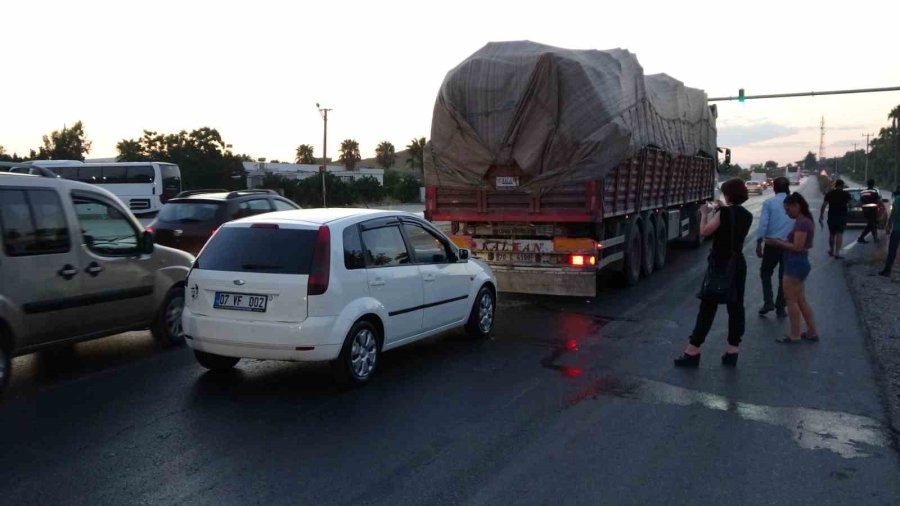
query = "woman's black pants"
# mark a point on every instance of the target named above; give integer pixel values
(705, 320)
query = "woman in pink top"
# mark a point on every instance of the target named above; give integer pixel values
(796, 269)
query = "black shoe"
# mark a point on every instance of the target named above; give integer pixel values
(781, 313)
(886, 274)
(862, 241)
(686, 360)
(730, 359)
(767, 308)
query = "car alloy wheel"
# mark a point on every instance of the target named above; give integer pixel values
(485, 312)
(173, 317)
(363, 353)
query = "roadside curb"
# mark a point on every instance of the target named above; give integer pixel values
(883, 348)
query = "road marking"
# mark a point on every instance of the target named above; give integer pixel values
(850, 436)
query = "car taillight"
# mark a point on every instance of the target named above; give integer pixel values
(321, 263)
(582, 260)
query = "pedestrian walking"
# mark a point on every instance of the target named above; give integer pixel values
(797, 268)
(773, 223)
(726, 275)
(837, 201)
(892, 229)
(869, 199)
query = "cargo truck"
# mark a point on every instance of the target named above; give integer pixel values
(553, 165)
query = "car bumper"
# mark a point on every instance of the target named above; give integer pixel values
(307, 341)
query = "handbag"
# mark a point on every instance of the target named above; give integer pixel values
(718, 283)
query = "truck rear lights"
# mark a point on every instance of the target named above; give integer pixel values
(582, 260)
(321, 263)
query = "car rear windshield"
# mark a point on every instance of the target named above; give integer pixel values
(189, 212)
(263, 250)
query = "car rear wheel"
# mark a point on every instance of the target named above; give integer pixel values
(481, 318)
(215, 362)
(167, 329)
(359, 356)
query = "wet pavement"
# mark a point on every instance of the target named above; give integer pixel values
(573, 401)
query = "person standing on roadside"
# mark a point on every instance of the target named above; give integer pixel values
(797, 268)
(892, 230)
(776, 224)
(837, 201)
(869, 198)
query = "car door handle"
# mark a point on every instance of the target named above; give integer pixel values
(428, 277)
(67, 272)
(377, 282)
(93, 269)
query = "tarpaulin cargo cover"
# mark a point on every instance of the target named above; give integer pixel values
(557, 115)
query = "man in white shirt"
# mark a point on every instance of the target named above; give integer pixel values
(775, 223)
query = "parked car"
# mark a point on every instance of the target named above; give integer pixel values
(187, 221)
(856, 217)
(334, 285)
(754, 187)
(75, 265)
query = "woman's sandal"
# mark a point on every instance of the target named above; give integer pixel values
(787, 340)
(805, 337)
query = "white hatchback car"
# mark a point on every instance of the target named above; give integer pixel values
(339, 285)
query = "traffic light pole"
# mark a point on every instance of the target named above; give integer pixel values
(743, 97)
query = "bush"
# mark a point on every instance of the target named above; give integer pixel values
(308, 192)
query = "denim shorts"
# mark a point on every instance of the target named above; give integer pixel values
(796, 265)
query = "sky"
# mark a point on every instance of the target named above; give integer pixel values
(255, 70)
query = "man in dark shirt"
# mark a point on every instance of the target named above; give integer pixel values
(869, 198)
(837, 202)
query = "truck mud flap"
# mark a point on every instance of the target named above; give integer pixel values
(546, 281)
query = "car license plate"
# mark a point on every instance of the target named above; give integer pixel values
(241, 302)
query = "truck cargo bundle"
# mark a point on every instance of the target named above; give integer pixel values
(553, 164)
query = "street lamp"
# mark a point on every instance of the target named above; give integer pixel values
(324, 113)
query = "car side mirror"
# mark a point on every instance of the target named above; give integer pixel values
(147, 243)
(464, 254)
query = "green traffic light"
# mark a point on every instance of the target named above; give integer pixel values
(741, 95)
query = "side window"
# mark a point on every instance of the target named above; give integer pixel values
(252, 207)
(426, 246)
(113, 174)
(385, 247)
(283, 205)
(139, 174)
(89, 174)
(353, 253)
(106, 229)
(33, 223)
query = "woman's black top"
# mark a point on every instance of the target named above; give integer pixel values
(731, 217)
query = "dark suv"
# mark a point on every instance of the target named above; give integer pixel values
(187, 221)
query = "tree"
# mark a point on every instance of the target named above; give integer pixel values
(350, 153)
(305, 154)
(416, 151)
(66, 144)
(385, 155)
(206, 161)
(810, 162)
(771, 165)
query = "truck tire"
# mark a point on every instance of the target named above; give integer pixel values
(662, 241)
(631, 267)
(648, 246)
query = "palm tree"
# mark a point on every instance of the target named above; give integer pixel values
(350, 153)
(385, 155)
(305, 154)
(416, 150)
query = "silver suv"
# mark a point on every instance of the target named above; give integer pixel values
(75, 264)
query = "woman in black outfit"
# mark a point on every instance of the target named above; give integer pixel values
(726, 223)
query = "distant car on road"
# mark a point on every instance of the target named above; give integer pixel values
(332, 285)
(187, 221)
(856, 217)
(75, 265)
(754, 187)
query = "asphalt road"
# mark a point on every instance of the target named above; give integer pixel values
(573, 401)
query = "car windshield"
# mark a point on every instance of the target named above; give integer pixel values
(189, 212)
(263, 250)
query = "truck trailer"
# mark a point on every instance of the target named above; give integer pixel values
(553, 165)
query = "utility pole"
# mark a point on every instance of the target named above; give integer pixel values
(867, 157)
(854, 158)
(324, 167)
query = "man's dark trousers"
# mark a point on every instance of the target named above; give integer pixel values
(871, 216)
(772, 257)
